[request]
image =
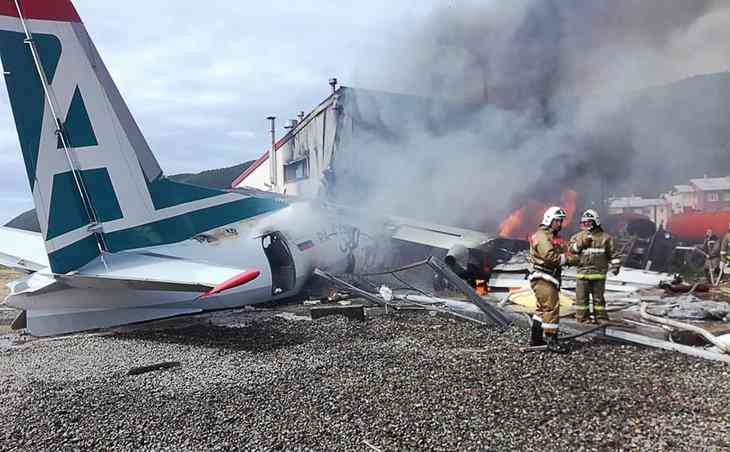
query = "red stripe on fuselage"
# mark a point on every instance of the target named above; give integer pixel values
(58, 10)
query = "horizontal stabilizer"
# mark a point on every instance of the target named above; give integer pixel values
(150, 271)
(97, 282)
(22, 250)
(56, 323)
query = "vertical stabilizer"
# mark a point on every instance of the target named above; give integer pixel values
(96, 185)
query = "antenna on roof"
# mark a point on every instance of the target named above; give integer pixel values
(333, 84)
(272, 153)
(291, 125)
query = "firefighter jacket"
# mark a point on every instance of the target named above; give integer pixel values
(725, 248)
(711, 247)
(548, 254)
(595, 249)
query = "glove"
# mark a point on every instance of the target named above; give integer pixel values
(568, 259)
(615, 266)
(587, 241)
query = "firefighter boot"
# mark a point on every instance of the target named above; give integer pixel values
(554, 345)
(536, 338)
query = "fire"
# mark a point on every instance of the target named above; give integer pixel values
(523, 221)
(568, 199)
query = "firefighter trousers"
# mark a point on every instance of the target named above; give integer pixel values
(547, 310)
(585, 289)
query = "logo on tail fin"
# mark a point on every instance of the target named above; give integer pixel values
(66, 211)
(77, 128)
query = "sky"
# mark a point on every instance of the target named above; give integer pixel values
(201, 78)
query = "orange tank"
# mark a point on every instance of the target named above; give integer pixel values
(692, 226)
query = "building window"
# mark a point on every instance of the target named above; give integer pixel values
(713, 197)
(726, 196)
(296, 170)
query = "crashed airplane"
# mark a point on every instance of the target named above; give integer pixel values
(120, 243)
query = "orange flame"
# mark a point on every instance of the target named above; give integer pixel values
(522, 222)
(568, 199)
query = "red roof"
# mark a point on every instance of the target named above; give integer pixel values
(58, 10)
(281, 142)
(258, 162)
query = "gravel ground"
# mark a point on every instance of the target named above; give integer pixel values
(400, 382)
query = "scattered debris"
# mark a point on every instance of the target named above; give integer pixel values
(351, 312)
(376, 449)
(293, 317)
(151, 368)
(684, 326)
(487, 313)
(682, 287)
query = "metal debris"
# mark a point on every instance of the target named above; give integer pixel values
(685, 327)
(151, 368)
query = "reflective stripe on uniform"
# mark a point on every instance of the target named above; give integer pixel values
(550, 326)
(590, 276)
(537, 318)
(598, 307)
(616, 261)
(581, 307)
(544, 276)
(595, 251)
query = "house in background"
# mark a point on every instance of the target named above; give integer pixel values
(712, 193)
(682, 199)
(656, 209)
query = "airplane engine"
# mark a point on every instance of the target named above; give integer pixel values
(458, 259)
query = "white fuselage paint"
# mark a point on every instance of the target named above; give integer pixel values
(53, 308)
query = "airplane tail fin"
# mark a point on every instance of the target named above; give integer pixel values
(96, 185)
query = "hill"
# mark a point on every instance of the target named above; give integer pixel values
(220, 178)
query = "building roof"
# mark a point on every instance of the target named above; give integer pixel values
(282, 141)
(377, 113)
(635, 202)
(684, 189)
(711, 183)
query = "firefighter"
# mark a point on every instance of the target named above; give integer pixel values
(548, 254)
(712, 255)
(725, 251)
(595, 250)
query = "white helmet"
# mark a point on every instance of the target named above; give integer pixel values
(553, 213)
(591, 215)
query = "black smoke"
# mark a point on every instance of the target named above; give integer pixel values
(559, 78)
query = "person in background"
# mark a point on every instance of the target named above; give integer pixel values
(712, 255)
(725, 251)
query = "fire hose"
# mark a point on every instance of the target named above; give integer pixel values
(542, 348)
(686, 327)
